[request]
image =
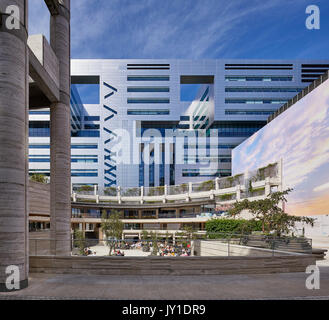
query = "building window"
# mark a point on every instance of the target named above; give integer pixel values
(141, 165)
(39, 112)
(148, 78)
(39, 129)
(249, 112)
(148, 100)
(258, 78)
(249, 89)
(91, 118)
(256, 101)
(84, 146)
(86, 133)
(91, 126)
(148, 89)
(151, 165)
(39, 146)
(184, 118)
(87, 88)
(151, 112)
(84, 173)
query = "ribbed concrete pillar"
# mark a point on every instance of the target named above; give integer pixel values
(13, 145)
(60, 135)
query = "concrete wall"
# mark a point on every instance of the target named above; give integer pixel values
(169, 265)
(40, 243)
(39, 198)
(223, 249)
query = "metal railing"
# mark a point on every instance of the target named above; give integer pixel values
(180, 243)
(252, 184)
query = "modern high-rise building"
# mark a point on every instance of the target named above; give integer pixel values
(164, 122)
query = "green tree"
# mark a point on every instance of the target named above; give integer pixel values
(145, 235)
(189, 232)
(270, 214)
(38, 177)
(112, 226)
(154, 244)
(79, 240)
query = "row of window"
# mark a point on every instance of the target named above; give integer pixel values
(249, 112)
(139, 112)
(148, 78)
(74, 172)
(73, 146)
(148, 100)
(45, 132)
(209, 146)
(39, 112)
(227, 78)
(250, 89)
(204, 173)
(86, 133)
(75, 118)
(187, 118)
(148, 89)
(198, 159)
(227, 129)
(256, 101)
(258, 78)
(74, 159)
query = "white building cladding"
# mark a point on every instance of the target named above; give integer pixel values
(157, 122)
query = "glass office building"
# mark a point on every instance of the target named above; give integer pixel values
(165, 122)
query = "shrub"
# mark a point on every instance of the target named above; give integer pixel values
(226, 196)
(217, 228)
(38, 177)
(85, 188)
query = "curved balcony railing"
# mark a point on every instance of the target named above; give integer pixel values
(255, 184)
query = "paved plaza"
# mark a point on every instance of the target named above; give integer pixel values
(104, 251)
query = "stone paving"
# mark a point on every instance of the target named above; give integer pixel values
(265, 286)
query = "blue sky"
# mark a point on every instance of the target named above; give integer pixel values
(191, 29)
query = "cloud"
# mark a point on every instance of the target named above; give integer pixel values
(167, 29)
(300, 136)
(322, 187)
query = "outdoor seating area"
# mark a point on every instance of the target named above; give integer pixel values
(140, 248)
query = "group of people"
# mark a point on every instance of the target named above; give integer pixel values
(174, 251)
(88, 252)
(119, 253)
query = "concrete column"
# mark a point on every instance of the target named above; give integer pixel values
(14, 94)
(267, 186)
(100, 234)
(238, 192)
(217, 183)
(119, 194)
(142, 195)
(60, 133)
(165, 194)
